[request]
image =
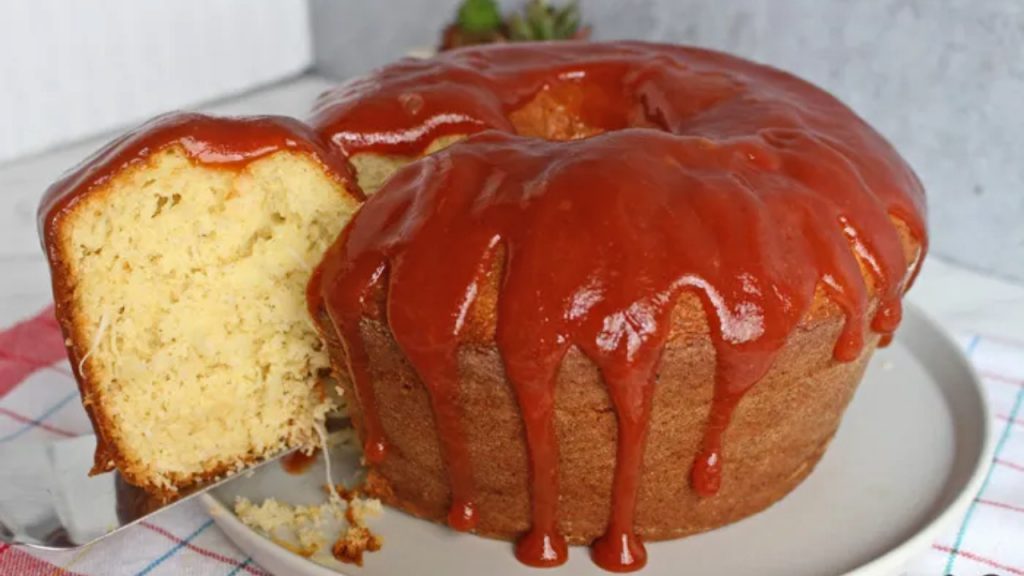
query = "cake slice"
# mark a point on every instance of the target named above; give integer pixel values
(180, 255)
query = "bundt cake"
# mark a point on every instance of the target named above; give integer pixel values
(600, 293)
(627, 297)
(180, 255)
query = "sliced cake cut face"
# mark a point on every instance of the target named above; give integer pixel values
(180, 283)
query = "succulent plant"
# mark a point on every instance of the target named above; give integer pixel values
(481, 22)
(479, 16)
(541, 21)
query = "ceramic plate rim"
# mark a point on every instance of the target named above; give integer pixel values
(259, 546)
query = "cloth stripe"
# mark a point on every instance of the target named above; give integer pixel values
(244, 565)
(17, 562)
(174, 549)
(1006, 418)
(980, 560)
(204, 552)
(37, 421)
(1002, 339)
(28, 346)
(1001, 378)
(1000, 505)
(1011, 465)
(971, 345)
(954, 552)
(26, 420)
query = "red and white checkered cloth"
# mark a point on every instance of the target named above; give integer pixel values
(39, 400)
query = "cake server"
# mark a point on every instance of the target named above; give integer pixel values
(49, 501)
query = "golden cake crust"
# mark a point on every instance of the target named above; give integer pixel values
(778, 433)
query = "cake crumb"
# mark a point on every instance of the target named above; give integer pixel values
(354, 543)
(300, 529)
(296, 528)
(357, 540)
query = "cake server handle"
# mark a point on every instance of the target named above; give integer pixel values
(49, 501)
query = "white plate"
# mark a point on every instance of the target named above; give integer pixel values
(908, 458)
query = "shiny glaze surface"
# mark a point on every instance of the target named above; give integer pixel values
(713, 175)
(298, 462)
(230, 142)
(708, 174)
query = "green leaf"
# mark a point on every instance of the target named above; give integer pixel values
(477, 16)
(567, 21)
(540, 19)
(518, 29)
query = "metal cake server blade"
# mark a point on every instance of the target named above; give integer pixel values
(49, 501)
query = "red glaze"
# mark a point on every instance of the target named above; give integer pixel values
(209, 140)
(298, 462)
(753, 189)
(885, 340)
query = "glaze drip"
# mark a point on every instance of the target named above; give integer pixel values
(298, 462)
(682, 171)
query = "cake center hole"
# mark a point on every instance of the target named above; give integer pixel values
(571, 110)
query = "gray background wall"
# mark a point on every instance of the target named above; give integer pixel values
(942, 79)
